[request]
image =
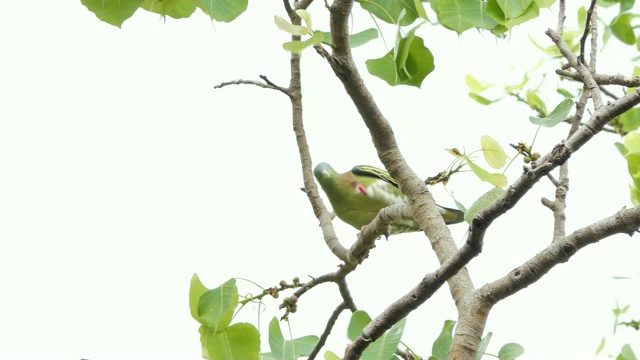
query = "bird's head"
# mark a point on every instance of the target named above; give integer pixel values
(323, 171)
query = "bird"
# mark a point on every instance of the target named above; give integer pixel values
(358, 195)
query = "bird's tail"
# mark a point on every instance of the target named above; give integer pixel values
(451, 216)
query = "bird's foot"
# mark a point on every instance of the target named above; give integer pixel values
(386, 232)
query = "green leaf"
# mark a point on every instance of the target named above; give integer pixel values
(626, 5)
(543, 4)
(359, 320)
(420, 10)
(535, 103)
(238, 341)
(196, 290)
(362, 37)
(621, 148)
(414, 63)
(607, 3)
(296, 47)
(356, 39)
(513, 8)
(499, 180)
(565, 93)
(633, 166)
(495, 11)
(403, 46)
(282, 349)
(493, 152)
(551, 51)
(223, 10)
(630, 120)
(459, 206)
(582, 17)
(485, 200)
(532, 12)
(600, 347)
(481, 99)
(519, 86)
(499, 31)
(441, 346)
(475, 85)
(621, 28)
(390, 11)
(510, 351)
(177, 9)
(635, 195)
(386, 345)
(482, 347)
(632, 142)
(626, 353)
(462, 15)
(216, 307)
(328, 355)
(284, 25)
(558, 115)
(306, 17)
(113, 12)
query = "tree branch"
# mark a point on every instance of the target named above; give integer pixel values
(303, 4)
(266, 85)
(561, 16)
(463, 347)
(413, 299)
(587, 27)
(580, 67)
(407, 355)
(419, 199)
(592, 26)
(378, 226)
(626, 221)
(602, 79)
(310, 188)
(327, 330)
(472, 321)
(338, 277)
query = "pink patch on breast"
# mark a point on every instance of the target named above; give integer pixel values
(361, 188)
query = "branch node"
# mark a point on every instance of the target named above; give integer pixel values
(548, 203)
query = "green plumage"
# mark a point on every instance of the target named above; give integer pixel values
(358, 195)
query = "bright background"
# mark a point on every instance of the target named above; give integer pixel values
(123, 172)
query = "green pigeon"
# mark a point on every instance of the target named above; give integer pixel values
(358, 195)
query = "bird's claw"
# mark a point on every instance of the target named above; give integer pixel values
(386, 232)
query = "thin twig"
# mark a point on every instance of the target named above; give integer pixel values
(303, 4)
(587, 78)
(407, 355)
(587, 27)
(608, 93)
(603, 79)
(594, 37)
(288, 8)
(267, 85)
(561, 16)
(338, 277)
(327, 330)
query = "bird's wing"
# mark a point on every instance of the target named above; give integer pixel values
(451, 216)
(366, 170)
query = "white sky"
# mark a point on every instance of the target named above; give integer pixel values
(124, 172)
